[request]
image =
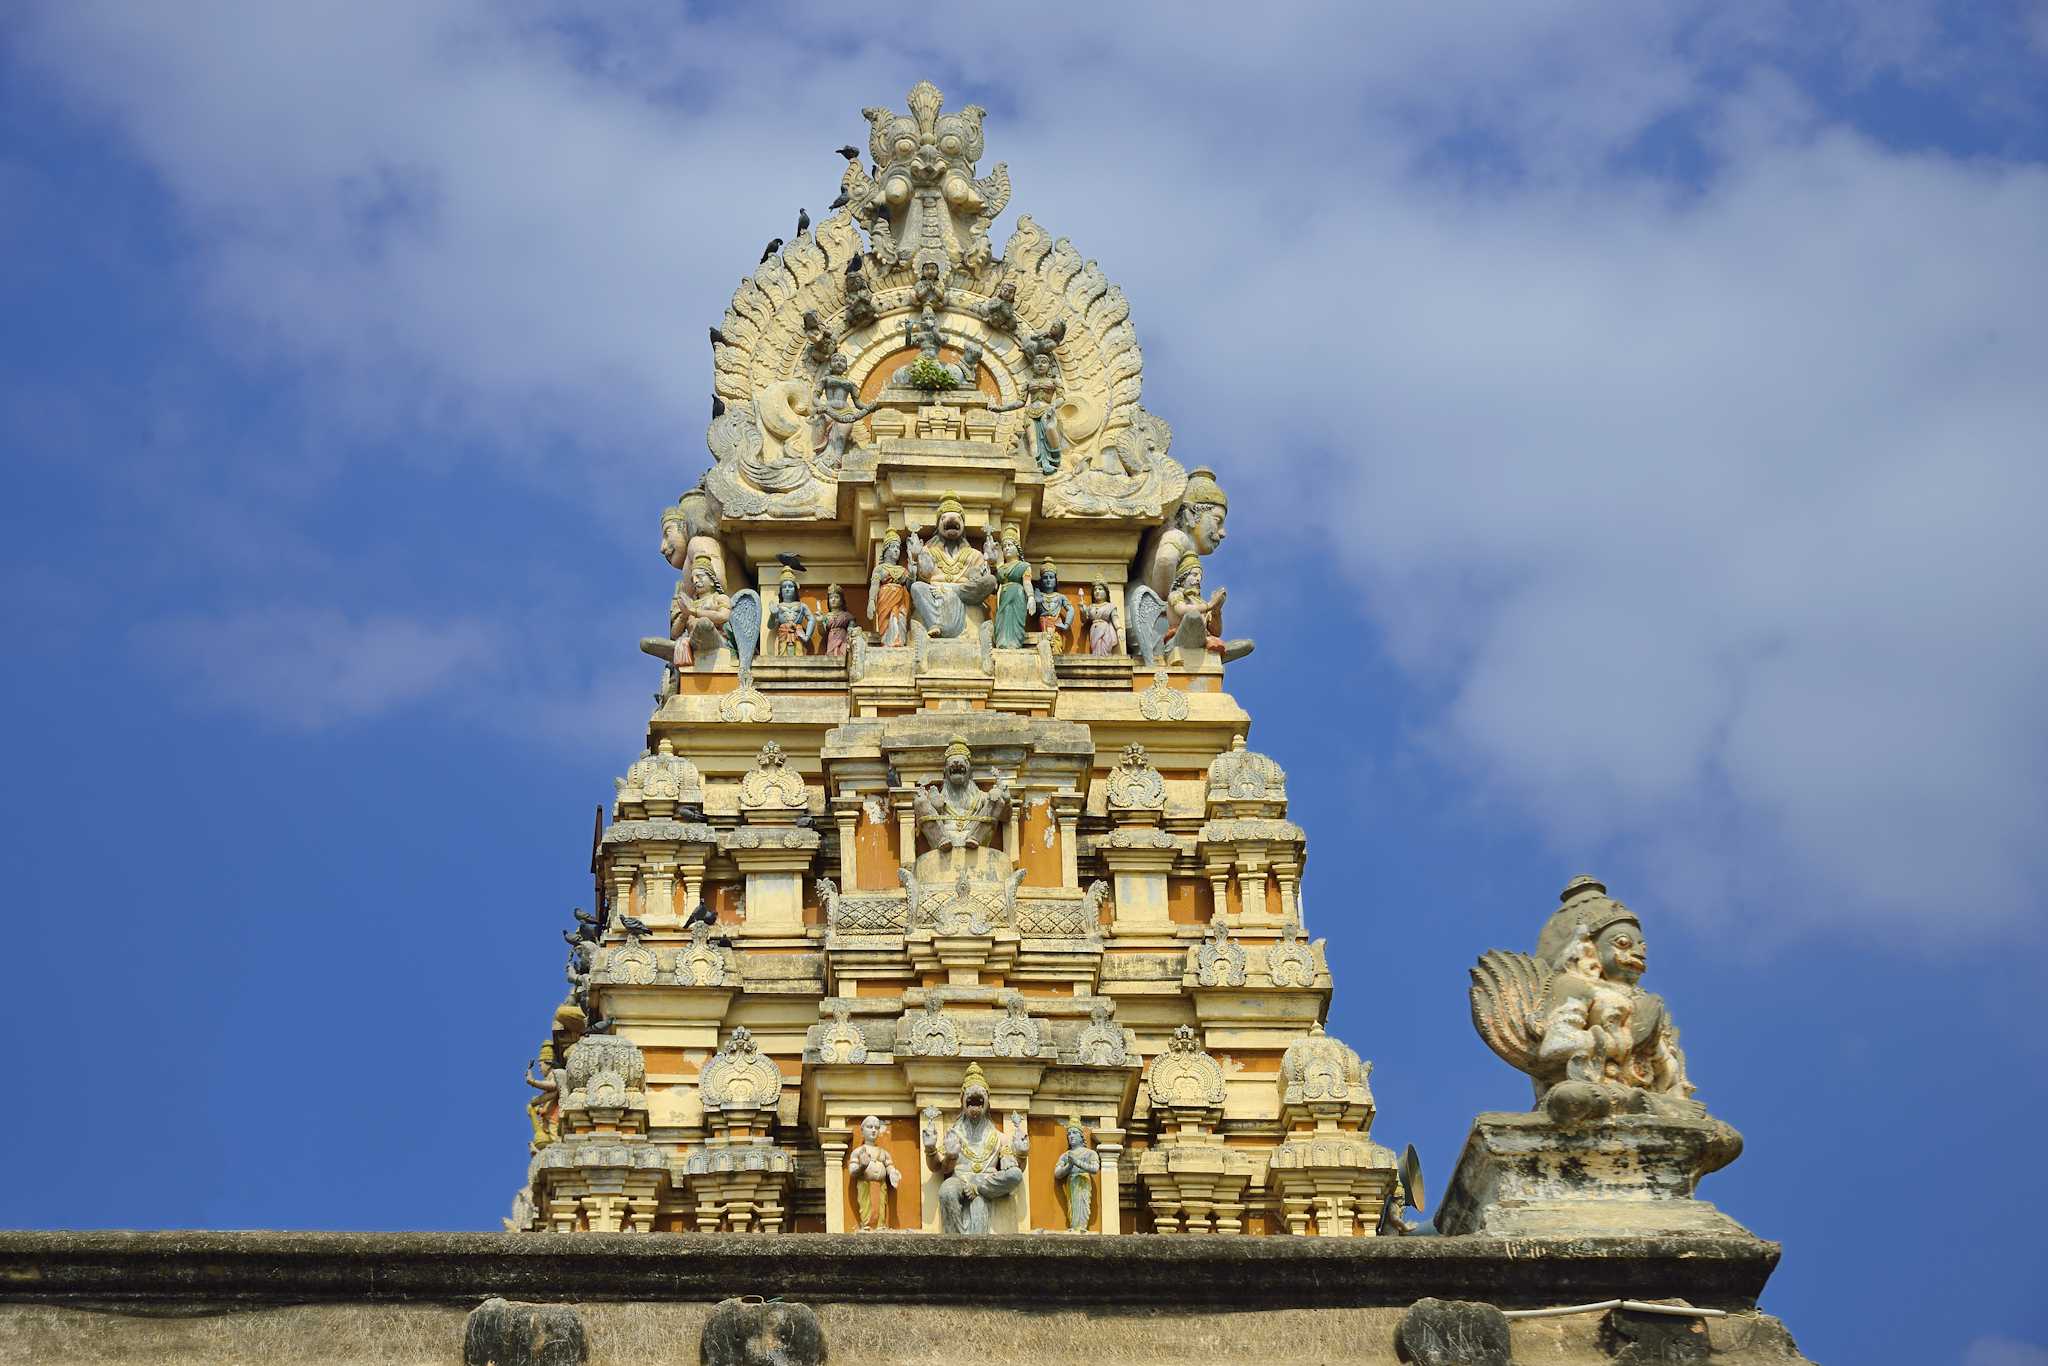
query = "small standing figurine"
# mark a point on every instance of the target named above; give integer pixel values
(1013, 596)
(875, 1174)
(834, 410)
(1101, 615)
(819, 343)
(1055, 613)
(1000, 313)
(1190, 613)
(929, 291)
(839, 623)
(1075, 1173)
(1040, 439)
(542, 1108)
(860, 300)
(889, 593)
(792, 618)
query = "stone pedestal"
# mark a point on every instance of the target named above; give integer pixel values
(1520, 1175)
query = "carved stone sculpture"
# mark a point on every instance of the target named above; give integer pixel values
(978, 1161)
(1196, 529)
(951, 575)
(1040, 440)
(835, 408)
(957, 820)
(1074, 1174)
(739, 1076)
(925, 202)
(1014, 597)
(874, 1174)
(889, 593)
(838, 622)
(791, 618)
(1105, 636)
(1055, 613)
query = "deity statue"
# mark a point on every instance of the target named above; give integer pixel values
(928, 290)
(839, 623)
(954, 813)
(875, 1174)
(1055, 613)
(545, 1108)
(1040, 439)
(1036, 344)
(792, 618)
(1574, 1018)
(834, 411)
(860, 298)
(979, 1161)
(1074, 1174)
(819, 343)
(1190, 613)
(1000, 312)
(952, 576)
(1013, 596)
(889, 593)
(697, 619)
(1196, 528)
(689, 533)
(924, 196)
(1102, 617)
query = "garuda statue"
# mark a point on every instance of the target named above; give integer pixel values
(1573, 1017)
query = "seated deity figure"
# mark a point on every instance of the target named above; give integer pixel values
(1196, 528)
(978, 1160)
(697, 621)
(953, 579)
(875, 1174)
(958, 821)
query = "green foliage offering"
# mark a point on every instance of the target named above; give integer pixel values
(930, 376)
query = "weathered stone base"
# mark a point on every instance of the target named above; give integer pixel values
(381, 1299)
(1521, 1176)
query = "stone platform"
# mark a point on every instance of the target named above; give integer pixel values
(286, 1298)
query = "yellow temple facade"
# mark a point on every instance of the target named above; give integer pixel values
(946, 893)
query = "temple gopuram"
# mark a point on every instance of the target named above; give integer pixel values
(946, 993)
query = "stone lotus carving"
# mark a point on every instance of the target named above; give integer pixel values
(739, 1076)
(929, 1033)
(1134, 785)
(1016, 1034)
(1290, 962)
(1219, 960)
(771, 785)
(1101, 1043)
(1574, 1019)
(1185, 1076)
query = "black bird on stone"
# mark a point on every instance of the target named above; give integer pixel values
(806, 822)
(853, 266)
(803, 221)
(774, 245)
(838, 203)
(792, 559)
(589, 927)
(717, 407)
(703, 915)
(849, 151)
(690, 815)
(601, 1025)
(895, 778)
(633, 925)
(718, 337)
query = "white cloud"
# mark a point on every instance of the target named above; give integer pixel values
(1705, 507)
(1997, 1351)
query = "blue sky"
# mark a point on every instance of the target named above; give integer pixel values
(1635, 410)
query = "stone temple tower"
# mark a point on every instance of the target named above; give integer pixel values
(945, 817)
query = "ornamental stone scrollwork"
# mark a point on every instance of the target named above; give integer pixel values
(1262, 828)
(1243, 776)
(658, 831)
(1185, 1076)
(929, 1033)
(772, 786)
(702, 963)
(605, 1072)
(1219, 960)
(1134, 784)
(745, 704)
(1290, 962)
(1321, 1075)
(656, 784)
(1162, 701)
(1064, 918)
(1102, 1042)
(631, 964)
(739, 1076)
(924, 203)
(1137, 837)
(1127, 474)
(863, 912)
(964, 906)
(768, 837)
(1016, 1034)
(840, 1040)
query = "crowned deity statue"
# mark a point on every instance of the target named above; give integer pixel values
(1014, 596)
(1000, 312)
(1574, 1017)
(979, 1162)
(1055, 613)
(1193, 617)
(1074, 1175)
(1196, 528)
(1039, 439)
(957, 819)
(545, 1108)
(792, 618)
(953, 578)
(834, 411)
(874, 1173)
(819, 343)
(860, 296)
(889, 593)
(1103, 620)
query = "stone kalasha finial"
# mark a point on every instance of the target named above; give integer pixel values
(924, 202)
(1574, 1019)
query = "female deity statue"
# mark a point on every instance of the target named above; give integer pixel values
(875, 1174)
(542, 1109)
(1074, 1175)
(1101, 616)
(1013, 596)
(1055, 613)
(978, 1160)
(1040, 439)
(839, 623)
(792, 618)
(1188, 612)
(889, 593)
(834, 411)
